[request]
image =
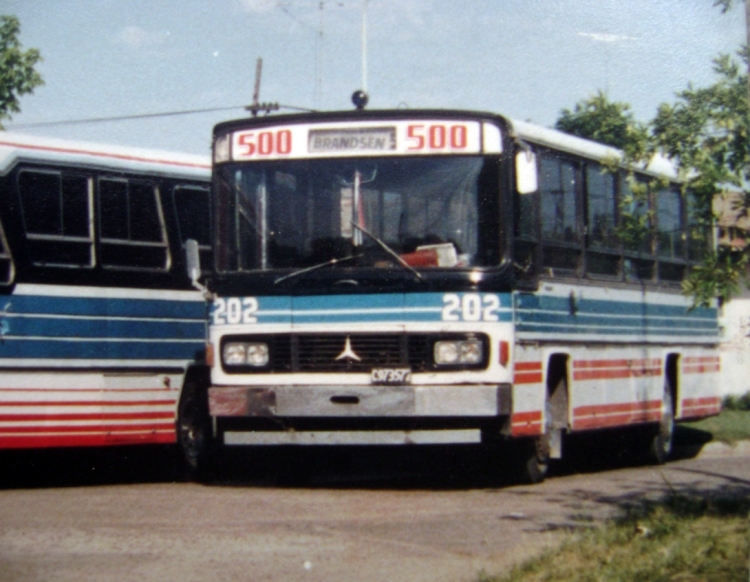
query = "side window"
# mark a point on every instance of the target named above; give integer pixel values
(635, 229)
(57, 211)
(131, 226)
(670, 235)
(603, 258)
(7, 266)
(192, 207)
(561, 232)
(698, 229)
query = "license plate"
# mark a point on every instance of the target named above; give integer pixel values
(390, 376)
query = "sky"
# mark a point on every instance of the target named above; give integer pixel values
(527, 59)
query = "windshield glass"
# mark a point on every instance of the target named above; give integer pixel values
(299, 213)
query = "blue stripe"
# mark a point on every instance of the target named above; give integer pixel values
(105, 307)
(550, 314)
(101, 328)
(383, 308)
(99, 350)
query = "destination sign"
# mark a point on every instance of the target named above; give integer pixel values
(374, 139)
(365, 138)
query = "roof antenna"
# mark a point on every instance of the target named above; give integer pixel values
(360, 97)
(256, 106)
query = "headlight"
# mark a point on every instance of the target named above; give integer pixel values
(245, 354)
(456, 352)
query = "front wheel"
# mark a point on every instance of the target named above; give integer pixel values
(534, 455)
(194, 431)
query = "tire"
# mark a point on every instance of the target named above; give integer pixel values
(660, 446)
(194, 432)
(534, 460)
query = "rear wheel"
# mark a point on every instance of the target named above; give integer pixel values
(660, 445)
(194, 431)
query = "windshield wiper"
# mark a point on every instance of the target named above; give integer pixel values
(389, 250)
(315, 268)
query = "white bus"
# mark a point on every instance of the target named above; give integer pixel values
(98, 320)
(434, 277)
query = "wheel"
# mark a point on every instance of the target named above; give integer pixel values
(194, 431)
(534, 459)
(660, 445)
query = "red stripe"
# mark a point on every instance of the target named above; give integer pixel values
(534, 415)
(85, 440)
(523, 366)
(702, 360)
(160, 390)
(700, 411)
(595, 409)
(527, 429)
(616, 373)
(527, 378)
(706, 401)
(650, 362)
(615, 420)
(105, 155)
(84, 416)
(88, 403)
(103, 428)
(701, 369)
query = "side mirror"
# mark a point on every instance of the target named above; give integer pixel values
(526, 175)
(193, 260)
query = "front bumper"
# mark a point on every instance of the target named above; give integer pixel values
(408, 401)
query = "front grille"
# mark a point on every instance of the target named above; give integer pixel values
(326, 352)
(320, 353)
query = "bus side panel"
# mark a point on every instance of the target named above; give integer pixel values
(699, 394)
(615, 386)
(94, 366)
(528, 392)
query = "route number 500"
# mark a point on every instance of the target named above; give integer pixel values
(436, 136)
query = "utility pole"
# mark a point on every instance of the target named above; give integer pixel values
(256, 105)
(364, 46)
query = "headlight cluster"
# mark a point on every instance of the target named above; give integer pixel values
(245, 354)
(457, 352)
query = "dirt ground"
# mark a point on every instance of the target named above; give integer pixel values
(113, 516)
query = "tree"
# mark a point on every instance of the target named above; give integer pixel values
(707, 132)
(17, 74)
(605, 121)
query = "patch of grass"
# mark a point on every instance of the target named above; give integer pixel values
(685, 539)
(729, 426)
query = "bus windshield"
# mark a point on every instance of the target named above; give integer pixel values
(298, 213)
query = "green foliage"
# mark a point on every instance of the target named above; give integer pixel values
(17, 74)
(737, 402)
(718, 275)
(728, 427)
(683, 537)
(707, 131)
(607, 122)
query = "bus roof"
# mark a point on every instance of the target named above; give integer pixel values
(15, 147)
(658, 165)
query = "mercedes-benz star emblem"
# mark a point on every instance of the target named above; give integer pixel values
(348, 352)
